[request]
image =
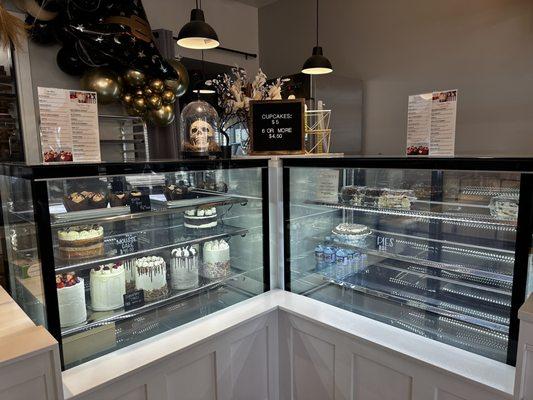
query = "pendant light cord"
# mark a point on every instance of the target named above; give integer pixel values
(317, 23)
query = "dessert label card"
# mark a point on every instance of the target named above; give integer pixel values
(277, 127)
(127, 244)
(133, 300)
(327, 186)
(431, 122)
(69, 125)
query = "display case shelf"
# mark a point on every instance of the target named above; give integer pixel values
(220, 232)
(60, 217)
(412, 255)
(96, 318)
(481, 220)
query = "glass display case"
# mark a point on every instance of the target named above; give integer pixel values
(106, 255)
(435, 247)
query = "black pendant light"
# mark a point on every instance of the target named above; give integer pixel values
(317, 64)
(197, 34)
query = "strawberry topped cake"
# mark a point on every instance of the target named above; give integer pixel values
(71, 299)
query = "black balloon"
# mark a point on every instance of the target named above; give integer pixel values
(41, 32)
(69, 62)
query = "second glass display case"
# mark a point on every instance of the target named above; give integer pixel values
(422, 245)
(107, 255)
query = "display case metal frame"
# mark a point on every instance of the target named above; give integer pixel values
(40, 174)
(524, 227)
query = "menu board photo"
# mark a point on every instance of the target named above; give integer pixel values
(68, 125)
(431, 122)
(277, 127)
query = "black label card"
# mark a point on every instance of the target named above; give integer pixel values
(277, 127)
(133, 300)
(126, 244)
(140, 203)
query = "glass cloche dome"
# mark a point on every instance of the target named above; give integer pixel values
(199, 130)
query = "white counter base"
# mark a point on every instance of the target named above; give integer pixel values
(284, 346)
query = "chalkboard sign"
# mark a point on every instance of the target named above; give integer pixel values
(133, 300)
(140, 203)
(277, 127)
(126, 244)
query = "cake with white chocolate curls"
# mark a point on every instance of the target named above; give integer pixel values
(350, 233)
(80, 242)
(184, 268)
(216, 259)
(151, 276)
(203, 217)
(108, 286)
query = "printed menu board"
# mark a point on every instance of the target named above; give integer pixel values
(277, 127)
(68, 125)
(431, 122)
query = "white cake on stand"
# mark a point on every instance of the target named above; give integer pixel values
(71, 299)
(151, 276)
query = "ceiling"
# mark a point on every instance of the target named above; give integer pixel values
(257, 3)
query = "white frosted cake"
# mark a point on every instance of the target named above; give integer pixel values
(216, 259)
(108, 286)
(184, 268)
(201, 218)
(351, 233)
(151, 276)
(71, 299)
(129, 269)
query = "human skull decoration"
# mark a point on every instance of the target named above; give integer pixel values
(200, 133)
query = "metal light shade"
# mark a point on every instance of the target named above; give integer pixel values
(317, 64)
(198, 34)
(202, 88)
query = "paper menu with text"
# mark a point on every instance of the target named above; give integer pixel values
(69, 125)
(431, 123)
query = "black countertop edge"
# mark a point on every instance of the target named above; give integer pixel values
(514, 164)
(70, 170)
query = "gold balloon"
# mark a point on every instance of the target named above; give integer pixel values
(139, 104)
(162, 116)
(168, 97)
(105, 82)
(127, 98)
(133, 112)
(147, 91)
(134, 77)
(157, 85)
(139, 92)
(178, 86)
(154, 102)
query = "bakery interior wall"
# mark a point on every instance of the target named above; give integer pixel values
(235, 23)
(397, 48)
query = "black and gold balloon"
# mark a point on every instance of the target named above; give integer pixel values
(157, 85)
(168, 97)
(154, 102)
(139, 104)
(178, 86)
(162, 116)
(134, 78)
(127, 98)
(105, 82)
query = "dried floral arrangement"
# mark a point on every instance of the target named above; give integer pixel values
(235, 92)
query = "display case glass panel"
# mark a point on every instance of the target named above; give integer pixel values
(428, 251)
(132, 255)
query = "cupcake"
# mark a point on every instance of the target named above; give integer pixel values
(76, 202)
(118, 199)
(176, 192)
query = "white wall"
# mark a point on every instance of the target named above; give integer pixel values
(401, 47)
